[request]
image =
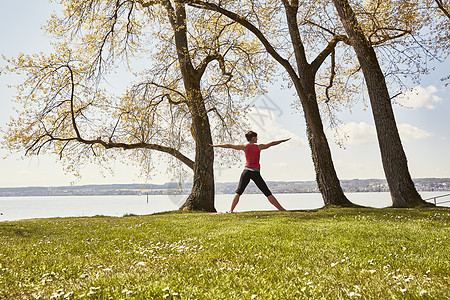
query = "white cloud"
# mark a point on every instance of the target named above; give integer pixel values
(265, 124)
(363, 133)
(410, 133)
(359, 133)
(420, 97)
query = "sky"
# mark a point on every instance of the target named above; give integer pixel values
(423, 121)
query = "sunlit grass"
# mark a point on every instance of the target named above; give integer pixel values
(324, 254)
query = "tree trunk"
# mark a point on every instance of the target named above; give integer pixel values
(202, 194)
(326, 177)
(401, 186)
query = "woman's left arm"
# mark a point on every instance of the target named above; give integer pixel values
(268, 145)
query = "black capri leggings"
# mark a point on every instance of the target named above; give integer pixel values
(256, 177)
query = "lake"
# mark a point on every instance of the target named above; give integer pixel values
(17, 208)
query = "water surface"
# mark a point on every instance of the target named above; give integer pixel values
(16, 208)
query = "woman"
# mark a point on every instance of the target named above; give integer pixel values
(252, 168)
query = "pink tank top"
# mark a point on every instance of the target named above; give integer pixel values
(252, 154)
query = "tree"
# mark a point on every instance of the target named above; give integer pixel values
(301, 72)
(68, 111)
(394, 160)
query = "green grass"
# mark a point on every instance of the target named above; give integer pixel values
(323, 254)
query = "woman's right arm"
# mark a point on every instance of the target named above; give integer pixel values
(235, 147)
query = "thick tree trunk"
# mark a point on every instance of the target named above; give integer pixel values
(202, 194)
(326, 177)
(401, 186)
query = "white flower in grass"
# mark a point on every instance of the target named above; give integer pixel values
(423, 292)
(402, 290)
(126, 292)
(165, 289)
(93, 290)
(372, 271)
(303, 289)
(334, 264)
(141, 263)
(254, 296)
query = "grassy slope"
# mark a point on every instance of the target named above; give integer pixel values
(329, 254)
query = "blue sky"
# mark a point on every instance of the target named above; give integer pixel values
(423, 121)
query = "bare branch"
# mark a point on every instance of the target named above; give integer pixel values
(110, 144)
(396, 95)
(148, 3)
(217, 57)
(315, 65)
(319, 26)
(244, 22)
(386, 38)
(442, 8)
(170, 90)
(332, 75)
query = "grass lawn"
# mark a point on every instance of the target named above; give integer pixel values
(321, 254)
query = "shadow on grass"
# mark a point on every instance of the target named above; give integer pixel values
(326, 212)
(14, 230)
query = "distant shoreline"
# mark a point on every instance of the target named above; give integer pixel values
(171, 188)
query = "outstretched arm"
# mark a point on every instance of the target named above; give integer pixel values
(268, 145)
(235, 147)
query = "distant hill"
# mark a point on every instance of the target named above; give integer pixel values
(170, 188)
